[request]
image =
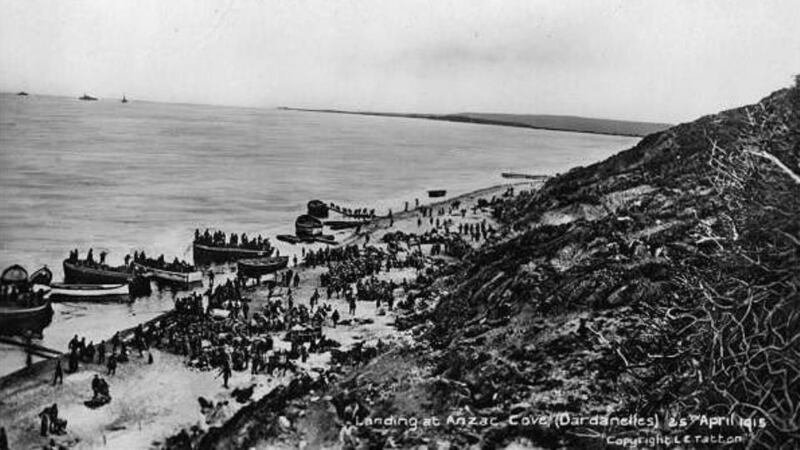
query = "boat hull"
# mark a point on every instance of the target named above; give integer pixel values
(318, 209)
(254, 268)
(60, 292)
(183, 278)
(78, 274)
(345, 224)
(291, 239)
(307, 226)
(437, 193)
(204, 254)
(18, 321)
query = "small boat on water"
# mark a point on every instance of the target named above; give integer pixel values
(307, 226)
(88, 98)
(81, 272)
(21, 309)
(256, 267)
(22, 94)
(435, 193)
(124, 100)
(205, 254)
(513, 175)
(60, 292)
(318, 209)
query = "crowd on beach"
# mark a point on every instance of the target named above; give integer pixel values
(220, 239)
(220, 330)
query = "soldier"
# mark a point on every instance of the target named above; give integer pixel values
(59, 375)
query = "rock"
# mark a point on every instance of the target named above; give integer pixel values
(284, 423)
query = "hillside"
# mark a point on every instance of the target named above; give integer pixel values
(660, 283)
(542, 122)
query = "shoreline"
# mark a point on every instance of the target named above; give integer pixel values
(18, 386)
(473, 118)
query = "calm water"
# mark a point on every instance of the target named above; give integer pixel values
(142, 176)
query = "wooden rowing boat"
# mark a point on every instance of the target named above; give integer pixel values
(345, 224)
(183, 278)
(435, 193)
(307, 226)
(75, 272)
(17, 320)
(291, 239)
(256, 267)
(205, 254)
(42, 276)
(22, 310)
(317, 208)
(61, 292)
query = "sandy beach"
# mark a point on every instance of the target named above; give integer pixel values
(151, 402)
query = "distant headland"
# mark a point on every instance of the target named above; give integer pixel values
(537, 121)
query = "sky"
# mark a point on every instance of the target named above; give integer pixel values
(663, 61)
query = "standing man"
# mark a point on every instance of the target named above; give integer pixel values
(112, 364)
(59, 375)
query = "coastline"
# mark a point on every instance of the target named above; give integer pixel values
(28, 390)
(546, 122)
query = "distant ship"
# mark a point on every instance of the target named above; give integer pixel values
(124, 100)
(87, 98)
(22, 93)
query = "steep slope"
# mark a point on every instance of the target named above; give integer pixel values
(660, 283)
(663, 280)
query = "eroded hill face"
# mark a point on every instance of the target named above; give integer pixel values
(663, 280)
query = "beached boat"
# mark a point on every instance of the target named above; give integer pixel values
(21, 310)
(435, 193)
(256, 267)
(41, 277)
(184, 278)
(61, 292)
(317, 209)
(89, 98)
(17, 319)
(344, 224)
(326, 239)
(307, 226)
(205, 254)
(289, 238)
(78, 272)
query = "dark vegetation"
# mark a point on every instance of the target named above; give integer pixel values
(662, 281)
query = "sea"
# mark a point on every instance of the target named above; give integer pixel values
(120, 177)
